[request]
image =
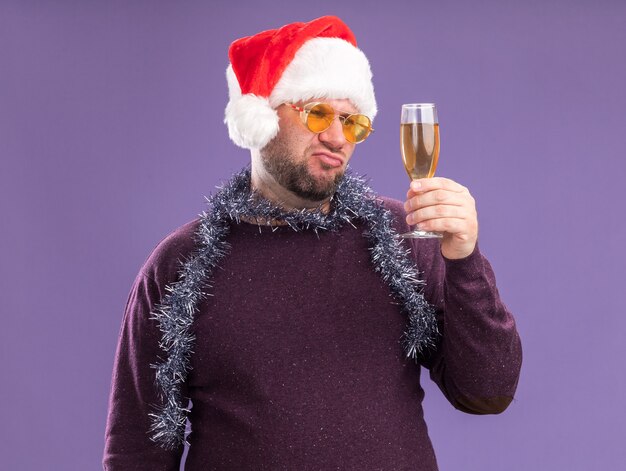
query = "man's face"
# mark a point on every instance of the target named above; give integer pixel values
(309, 165)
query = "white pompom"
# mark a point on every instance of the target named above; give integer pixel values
(251, 121)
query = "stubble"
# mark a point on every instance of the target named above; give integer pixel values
(292, 172)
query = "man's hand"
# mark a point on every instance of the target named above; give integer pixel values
(442, 205)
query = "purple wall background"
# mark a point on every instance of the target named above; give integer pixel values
(111, 133)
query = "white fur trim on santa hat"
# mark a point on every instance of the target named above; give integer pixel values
(322, 68)
(327, 68)
(251, 121)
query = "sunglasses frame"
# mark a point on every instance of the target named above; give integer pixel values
(342, 115)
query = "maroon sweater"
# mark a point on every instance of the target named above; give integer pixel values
(298, 362)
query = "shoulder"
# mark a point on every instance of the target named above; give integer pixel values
(396, 208)
(425, 252)
(166, 259)
(394, 205)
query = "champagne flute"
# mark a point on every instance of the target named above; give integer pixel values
(419, 143)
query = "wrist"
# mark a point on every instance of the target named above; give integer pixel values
(458, 252)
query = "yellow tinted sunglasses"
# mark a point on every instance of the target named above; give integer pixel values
(318, 117)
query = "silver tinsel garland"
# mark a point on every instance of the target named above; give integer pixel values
(353, 201)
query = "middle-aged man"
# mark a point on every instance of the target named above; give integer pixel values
(288, 322)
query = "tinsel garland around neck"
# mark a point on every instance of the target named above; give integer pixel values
(353, 201)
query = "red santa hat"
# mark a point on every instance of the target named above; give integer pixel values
(298, 62)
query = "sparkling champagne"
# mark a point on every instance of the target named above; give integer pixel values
(419, 143)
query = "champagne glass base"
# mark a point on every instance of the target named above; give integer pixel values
(417, 234)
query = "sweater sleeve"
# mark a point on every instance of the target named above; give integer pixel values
(477, 361)
(133, 392)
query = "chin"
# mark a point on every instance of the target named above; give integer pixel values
(322, 186)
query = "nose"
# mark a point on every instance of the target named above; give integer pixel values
(333, 137)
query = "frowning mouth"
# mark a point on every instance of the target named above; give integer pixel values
(329, 159)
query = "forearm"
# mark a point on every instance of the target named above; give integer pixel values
(478, 361)
(127, 438)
